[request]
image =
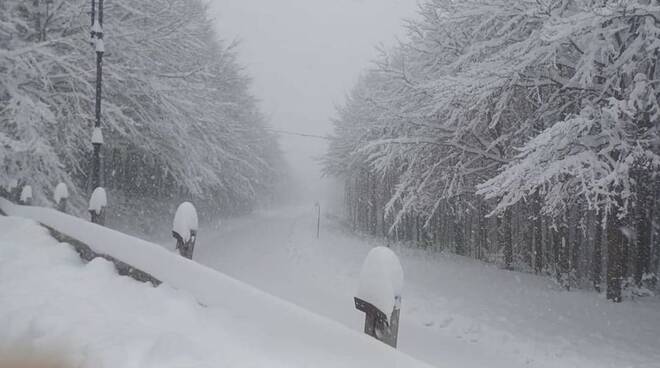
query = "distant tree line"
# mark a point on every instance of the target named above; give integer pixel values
(178, 119)
(521, 132)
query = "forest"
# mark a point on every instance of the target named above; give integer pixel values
(329, 183)
(521, 133)
(179, 121)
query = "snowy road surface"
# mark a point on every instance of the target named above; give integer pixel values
(52, 302)
(456, 312)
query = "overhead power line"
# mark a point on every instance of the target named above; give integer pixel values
(279, 131)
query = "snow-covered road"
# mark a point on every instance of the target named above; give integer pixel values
(456, 312)
(55, 306)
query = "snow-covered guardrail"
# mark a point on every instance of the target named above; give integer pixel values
(62, 227)
(310, 337)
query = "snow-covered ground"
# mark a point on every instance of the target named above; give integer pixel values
(50, 301)
(456, 312)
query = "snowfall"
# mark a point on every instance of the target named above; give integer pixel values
(264, 292)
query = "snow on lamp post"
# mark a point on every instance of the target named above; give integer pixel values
(184, 229)
(97, 204)
(97, 135)
(26, 195)
(61, 196)
(379, 295)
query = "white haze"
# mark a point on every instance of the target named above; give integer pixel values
(304, 56)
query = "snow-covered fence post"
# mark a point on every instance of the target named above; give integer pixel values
(379, 294)
(97, 204)
(61, 196)
(26, 196)
(184, 229)
(13, 191)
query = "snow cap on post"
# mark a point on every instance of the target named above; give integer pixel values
(97, 136)
(96, 27)
(61, 192)
(185, 220)
(381, 280)
(100, 46)
(26, 194)
(98, 201)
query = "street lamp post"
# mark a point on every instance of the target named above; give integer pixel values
(97, 135)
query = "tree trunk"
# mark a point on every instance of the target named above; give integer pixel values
(555, 236)
(655, 237)
(597, 262)
(564, 254)
(459, 239)
(482, 243)
(538, 235)
(575, 271)
(614, 257)
(644, 226)
(508, 241)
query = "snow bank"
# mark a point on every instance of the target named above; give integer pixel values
(98, 200)
(185, 220)
(26, 193)
(250, 327)
(381, 280)
(61, 192)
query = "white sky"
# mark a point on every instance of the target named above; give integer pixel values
(304, 56)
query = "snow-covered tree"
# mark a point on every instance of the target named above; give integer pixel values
(178, 118)
(550, 105)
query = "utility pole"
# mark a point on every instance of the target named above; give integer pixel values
(318, 219)
(97, 134)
